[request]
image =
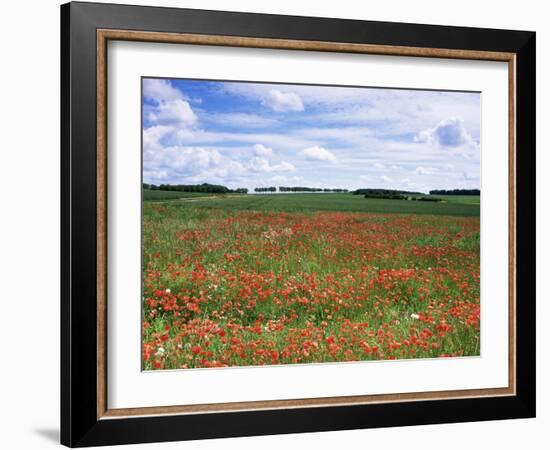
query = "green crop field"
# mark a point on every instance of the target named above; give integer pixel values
(238, 280)
(149, 195)
(233, 280)
(451, 206)
(464, 199)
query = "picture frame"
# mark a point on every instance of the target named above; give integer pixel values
(86, 29)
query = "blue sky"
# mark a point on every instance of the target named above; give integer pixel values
(243, 134)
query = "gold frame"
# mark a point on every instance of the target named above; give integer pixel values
(103, 36)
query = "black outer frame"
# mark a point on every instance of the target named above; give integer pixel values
(79, 424)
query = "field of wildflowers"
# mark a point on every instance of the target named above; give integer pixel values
(226, 287)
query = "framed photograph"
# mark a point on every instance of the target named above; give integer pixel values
(276, 224)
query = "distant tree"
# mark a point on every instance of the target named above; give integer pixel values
(455, 192)
(387, 196)
(204, 187)
(308, 189)
(384, 192)
(428, 199)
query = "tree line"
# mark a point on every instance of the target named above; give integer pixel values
(308, 189)
(394, 194)
(455, 192)
(384, 193)
(204, 188)
(297, 189)
(369, 193)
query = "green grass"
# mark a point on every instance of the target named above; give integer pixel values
(464, 199)
(149, 195)
(332, 202)
(279, 282)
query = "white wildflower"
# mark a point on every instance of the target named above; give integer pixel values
(168, 291)
(415, 316)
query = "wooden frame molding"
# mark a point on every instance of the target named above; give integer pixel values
(103, 36)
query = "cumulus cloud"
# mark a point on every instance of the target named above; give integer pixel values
(249, 136)
(262, 150)
(189, 165)
(447, 133)
(259, 164)
(156, 175)
(160, 91)
(318, 154)
(153, 136)
(175, 112)
(170, 106)
(283, 101)
(284, 166)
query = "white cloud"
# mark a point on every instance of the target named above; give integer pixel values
(174, 112)
(318, 154)
(470, 175)
(406, 183)
(369, 132)
(239, 120)
(153, 136)
(284, 178)
(425, 170)
(284, 166)
(170, 105)
(383, 111)
(200, 136)
(189, 165)
(262, 150)
(157, 175)
(447, 133)
(283, 101)
(160, 90)
(259, 164)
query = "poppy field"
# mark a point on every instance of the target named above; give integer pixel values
(258, 285)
